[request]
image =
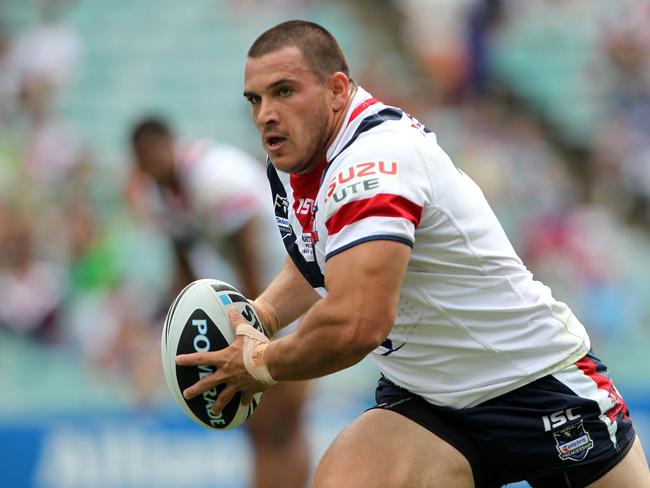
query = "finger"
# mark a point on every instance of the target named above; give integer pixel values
(235, 318)
(222, 400)
(198, 359)
(203, 385)
(247, 398)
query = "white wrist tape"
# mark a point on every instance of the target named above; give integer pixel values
(255, 344)
(269, 316)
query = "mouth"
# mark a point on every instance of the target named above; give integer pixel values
(274, 143)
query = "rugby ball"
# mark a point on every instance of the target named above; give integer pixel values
(197, 321)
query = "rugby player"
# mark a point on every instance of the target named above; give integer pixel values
(394, 253)
(213, 204)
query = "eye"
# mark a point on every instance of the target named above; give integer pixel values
(253, 99)
(284, 91)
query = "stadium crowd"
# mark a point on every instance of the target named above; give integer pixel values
(551, 119)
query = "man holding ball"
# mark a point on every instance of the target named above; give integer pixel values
(394, 253)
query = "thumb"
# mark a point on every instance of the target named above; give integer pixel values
(235, 318)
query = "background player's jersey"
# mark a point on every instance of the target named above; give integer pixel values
(222, 189)
(471, 323)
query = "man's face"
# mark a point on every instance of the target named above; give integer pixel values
(156, 157)
(291, 109)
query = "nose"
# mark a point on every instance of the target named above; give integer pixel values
(267, 113)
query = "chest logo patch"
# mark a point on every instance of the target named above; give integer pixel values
(360, 178)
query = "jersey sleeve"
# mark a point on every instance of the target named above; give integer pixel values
(374, 195)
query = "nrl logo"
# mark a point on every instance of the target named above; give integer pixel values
(281, 205)
(573, 442)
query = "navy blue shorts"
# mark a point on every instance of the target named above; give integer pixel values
(564, 430)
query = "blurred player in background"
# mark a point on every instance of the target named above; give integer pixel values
(486, 378)
(212, 201)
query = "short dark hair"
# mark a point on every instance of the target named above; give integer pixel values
(150, 126)
(320, 49)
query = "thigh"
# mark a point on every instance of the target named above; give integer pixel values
(631, 472)
(385, 449)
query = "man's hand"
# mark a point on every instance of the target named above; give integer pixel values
(255, 343)
(230, 366)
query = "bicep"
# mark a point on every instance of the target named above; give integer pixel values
(364, 283)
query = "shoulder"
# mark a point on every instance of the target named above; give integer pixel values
(220, 162)
(229, 158)
(393, 135)
(388, 155)
(221, 173)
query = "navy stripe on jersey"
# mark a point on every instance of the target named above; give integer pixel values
(309, 270)
(370, 122)
(379, 237)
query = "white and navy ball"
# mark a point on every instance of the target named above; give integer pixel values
(197, 321)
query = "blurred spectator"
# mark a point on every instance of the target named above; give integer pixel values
(622, 143)
(44, 58)
(436, 31)
(31, 286)
(482, 20)
(51, 151)
(8, 84)
(110, 305)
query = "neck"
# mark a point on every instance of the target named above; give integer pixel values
(337, 123)
(339, 118)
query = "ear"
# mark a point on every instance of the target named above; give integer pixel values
(339, 89)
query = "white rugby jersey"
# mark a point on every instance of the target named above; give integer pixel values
(472, 323)
(222, 188)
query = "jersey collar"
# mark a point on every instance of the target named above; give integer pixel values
(363, 104)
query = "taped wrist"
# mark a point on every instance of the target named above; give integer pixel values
(270, 319)
(255, 343)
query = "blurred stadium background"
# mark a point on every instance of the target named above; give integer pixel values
(546, 103)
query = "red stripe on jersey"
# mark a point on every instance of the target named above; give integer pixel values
(381, 205)
(588, 367)
(361, 107)
(305, 188)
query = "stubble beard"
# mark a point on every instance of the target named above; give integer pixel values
(322, 129)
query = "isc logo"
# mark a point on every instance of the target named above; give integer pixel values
(556, 419)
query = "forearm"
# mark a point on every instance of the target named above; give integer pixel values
(289, 295)
(327, 341)
(352, 320)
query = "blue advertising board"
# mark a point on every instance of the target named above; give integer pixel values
(156, 449)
